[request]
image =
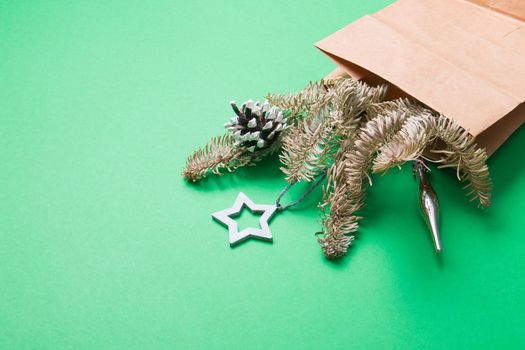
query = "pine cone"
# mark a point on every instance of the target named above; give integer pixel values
(256, 126)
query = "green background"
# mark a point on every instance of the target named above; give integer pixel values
(104, 246)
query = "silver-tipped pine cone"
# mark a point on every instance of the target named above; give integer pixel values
(256, 127)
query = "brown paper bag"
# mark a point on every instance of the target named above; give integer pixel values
(465, 59)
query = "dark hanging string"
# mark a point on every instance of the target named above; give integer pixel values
(283, 192)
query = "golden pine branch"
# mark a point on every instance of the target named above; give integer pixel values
(216, 156)
(345, 128)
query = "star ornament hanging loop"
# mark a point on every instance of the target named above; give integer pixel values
(227, 218)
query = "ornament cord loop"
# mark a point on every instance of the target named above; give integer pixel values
(280, 207)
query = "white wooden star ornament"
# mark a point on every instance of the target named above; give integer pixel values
(227, 216)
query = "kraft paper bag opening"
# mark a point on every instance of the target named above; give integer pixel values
(465, 59)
